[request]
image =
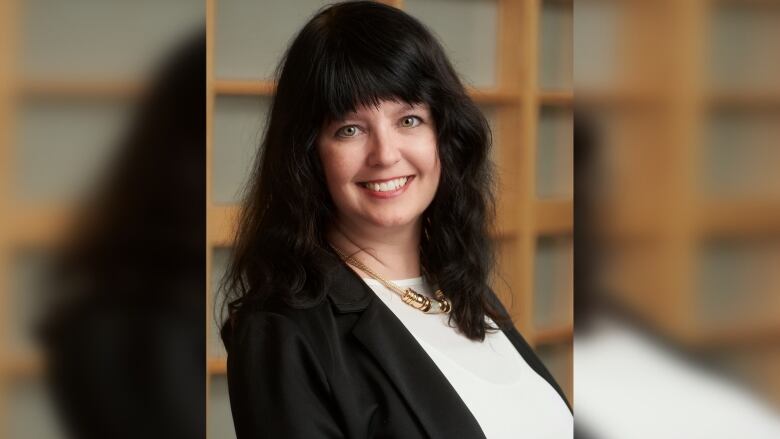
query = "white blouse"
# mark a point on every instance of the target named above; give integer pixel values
(507, 398)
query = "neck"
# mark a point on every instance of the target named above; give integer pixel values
(392, 252)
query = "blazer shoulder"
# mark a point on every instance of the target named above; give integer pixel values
(277, 322)
(279, 378)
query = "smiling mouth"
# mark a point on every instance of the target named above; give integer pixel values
(387, 185)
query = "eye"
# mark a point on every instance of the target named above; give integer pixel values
(348, 131)
(410, 121)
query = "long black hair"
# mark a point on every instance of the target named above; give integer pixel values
(350, 55)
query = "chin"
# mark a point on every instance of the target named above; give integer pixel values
(391, 221)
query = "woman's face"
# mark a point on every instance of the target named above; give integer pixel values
(381, 164)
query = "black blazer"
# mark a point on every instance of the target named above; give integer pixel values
(345, 368)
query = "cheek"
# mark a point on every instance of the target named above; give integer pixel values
(329, 161)
(338, 169)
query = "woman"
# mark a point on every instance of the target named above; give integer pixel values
(375, 166)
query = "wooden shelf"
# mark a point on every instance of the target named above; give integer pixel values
(39, 225)
(563, 98)
(549, 336)
(740, 217)
(554, 216)
(493, 96)
(767, 99)
(617, 98)
(22, 366)
(221, 224)
(244, 88)
(217, 366)
(745, 99)
(739, 335)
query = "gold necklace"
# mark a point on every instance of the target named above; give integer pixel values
(410, 297)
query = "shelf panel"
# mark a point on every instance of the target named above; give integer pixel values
(554, 216)
(251, 37)
(244, 88)
(556, 54)
(556, 98)
(85, 38)
(736, 336)
(468, 32)
(33, 226)
(561, 334)
(619, 97)
(217, 366)
(553, 282)
(740, 217)
(82, 88)
(554, 172)
(22, 366)
(221, 224)
(767, 99)
(239, 126)
(63, 147)
(493, 96)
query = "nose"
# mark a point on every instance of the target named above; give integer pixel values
(383, 148)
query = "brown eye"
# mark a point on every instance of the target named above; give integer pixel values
(347, 131)
(410, 121)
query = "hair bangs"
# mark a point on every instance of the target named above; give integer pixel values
(351, 82)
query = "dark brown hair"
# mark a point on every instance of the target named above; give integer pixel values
(349, 55)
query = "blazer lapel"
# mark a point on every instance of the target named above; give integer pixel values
(432, 398)
(429, 394)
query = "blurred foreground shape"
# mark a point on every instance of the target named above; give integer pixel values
(681, 201)
(101, 195)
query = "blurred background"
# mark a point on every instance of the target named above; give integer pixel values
(516, 58)
(101, 225)
(677, 219)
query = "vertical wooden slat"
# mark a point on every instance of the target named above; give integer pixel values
(8, 37)
(519, 28)
(685, 126)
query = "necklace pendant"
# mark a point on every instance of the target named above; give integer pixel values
(443, 302)
(439, 305)
(416, 300)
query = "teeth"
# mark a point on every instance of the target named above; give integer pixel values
(387, 186)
